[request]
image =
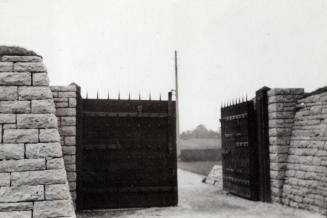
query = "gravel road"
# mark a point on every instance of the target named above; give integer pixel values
(197, 200)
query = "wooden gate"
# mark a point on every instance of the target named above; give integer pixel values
(245, 148)
(127, 156)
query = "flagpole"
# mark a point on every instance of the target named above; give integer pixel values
(177, 99)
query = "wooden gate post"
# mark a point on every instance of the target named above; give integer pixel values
(263, 144)
(79, 149)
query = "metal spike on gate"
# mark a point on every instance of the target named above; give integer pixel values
(87, 95)
(108, 95)
(139, 95)
(118, 95)
(160, 97)
(129, 95)
(150, 96)
(97, 94)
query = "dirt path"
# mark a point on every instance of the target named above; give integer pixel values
(197, 200)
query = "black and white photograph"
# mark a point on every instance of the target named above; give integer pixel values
(163, 109)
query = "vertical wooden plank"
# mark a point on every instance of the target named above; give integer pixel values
(263, 144)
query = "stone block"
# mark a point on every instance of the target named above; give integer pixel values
(278, 166)
(7, 118)
(16, 206)
(281, 115)
(4, 180)
(9, 126)
(70, 140)
(278, 91)
(69, 159)
(43, 150)
(49, 135)
(68, 121)
(73, 195)
(67, 95)
(66, 112)
(16, 214)
(72, 102)
(72, 186)
(70, 150)
(15, 107)
(283, 98)
(54, 94)
(281, 123)
(34, 93)
(22, 58)
(61, 104)
(29, 66)
(6, 66)
(61, 100)
(59, 208)
(43, 107)
(21, 193)
(8, 93)
(35, 121)
(70, 167)
(11, 151)
(7, 166)
(38, 177)
(274, 107)
(280, 132)
(40, 79)
(20, 136)
(67, 130)
(57, 192)
(15, 79)
(71, 176)
(56, 163)
(70, 88)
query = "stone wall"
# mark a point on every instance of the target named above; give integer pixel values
(281, 112)
(33, 180)
(298, 148)
(65, 99)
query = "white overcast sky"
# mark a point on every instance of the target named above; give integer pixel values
(227, 48)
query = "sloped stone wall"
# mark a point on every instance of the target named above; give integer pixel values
(298, 148)
(306, 173)
(33, 180)
(65, 99)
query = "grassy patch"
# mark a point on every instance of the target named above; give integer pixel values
(199, 167)
(198, 143)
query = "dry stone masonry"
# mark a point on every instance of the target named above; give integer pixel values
(33, 180)
(281, 109)
(298, 148)
(65, 99)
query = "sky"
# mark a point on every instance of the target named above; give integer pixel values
(226, 48)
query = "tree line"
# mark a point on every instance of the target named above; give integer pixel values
(200, 132)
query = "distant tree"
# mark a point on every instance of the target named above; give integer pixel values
(200, 131)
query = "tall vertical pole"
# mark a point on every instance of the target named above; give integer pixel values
(177, 99)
